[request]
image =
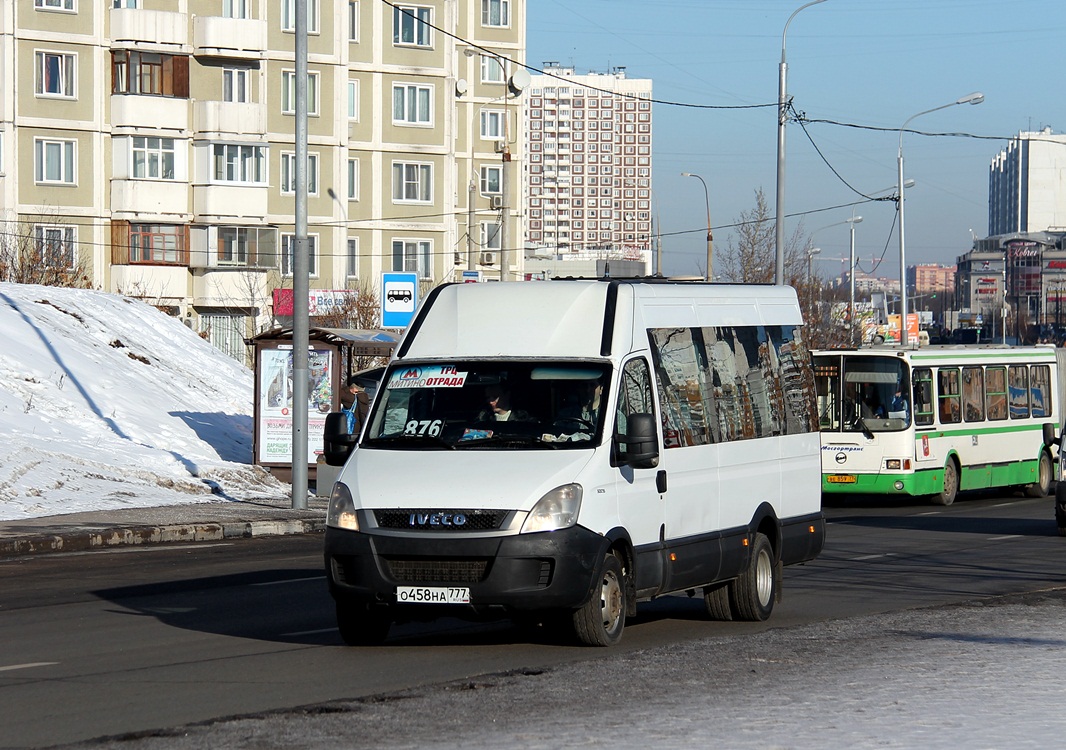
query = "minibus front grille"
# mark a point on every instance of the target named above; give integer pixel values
(438, 571)
(437, 520)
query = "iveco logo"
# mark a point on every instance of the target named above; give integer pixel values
(436, 520)
(841, 457)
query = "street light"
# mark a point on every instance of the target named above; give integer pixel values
(974, 98)
(710, 238)
(811, 252)
(851, 278)
(779, 273)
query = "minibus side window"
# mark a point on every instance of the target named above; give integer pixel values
(634, 396)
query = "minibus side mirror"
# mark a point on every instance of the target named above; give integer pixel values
(337, 442)
(641, 442)
(1049, 434)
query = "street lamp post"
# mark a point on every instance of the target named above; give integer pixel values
(710, 237)
(782, 117)
(810, 295)
(974, 98)
(851, 278)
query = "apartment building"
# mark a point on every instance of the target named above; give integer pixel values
(587, 179)
(150, 143)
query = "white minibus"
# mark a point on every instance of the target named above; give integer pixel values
(560, 450)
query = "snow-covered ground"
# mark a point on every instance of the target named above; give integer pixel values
(106, 402)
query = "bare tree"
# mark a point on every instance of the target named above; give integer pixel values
(42, 251)
(360, 311)
(750, 256)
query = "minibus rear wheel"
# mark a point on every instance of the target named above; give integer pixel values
(753, 593)
(601, 620)
(362, 623)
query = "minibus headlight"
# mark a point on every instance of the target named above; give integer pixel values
(341, 511)
(556, 510)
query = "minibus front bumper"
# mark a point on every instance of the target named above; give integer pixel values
(516, 572)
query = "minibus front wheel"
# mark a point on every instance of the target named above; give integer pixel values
(601, 620)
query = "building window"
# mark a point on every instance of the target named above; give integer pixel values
(352, 266)
(411, 104)
(158, 243)
(353, 20)
(55, 245)
(288, 93)
(255, 247)
(412, 256)
(491, 180)
(124, 4)
(412, 182)
(153, 158)
(353, 179)
(496, 13)
(54, 161)
(55, 74)
(288, 244)
(411, 25)
(54, 4)
(288, 173)
(491, 236)
(235, 8)
(288, 16)
(235, 84)
(134, 72)
(353, 99)
(492, 121)
(492, 69)
(243, 163)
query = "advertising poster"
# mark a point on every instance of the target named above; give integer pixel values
(275, 410)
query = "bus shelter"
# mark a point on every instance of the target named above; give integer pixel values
(332, 356)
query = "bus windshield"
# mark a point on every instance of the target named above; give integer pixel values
(471, 405)
(862, 393)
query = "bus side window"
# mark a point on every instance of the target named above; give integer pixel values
(948, 395)
(973, 394)
(1040, 390)
(923, 397)
(996, 392)
(1018, 391)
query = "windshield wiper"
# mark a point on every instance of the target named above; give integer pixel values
(435, 440)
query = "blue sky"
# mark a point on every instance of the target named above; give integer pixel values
(859, 62)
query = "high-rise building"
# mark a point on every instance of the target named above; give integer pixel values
(587, 179)
(1025, 185)
(149, 145)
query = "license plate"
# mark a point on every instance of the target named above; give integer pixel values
(432, 595)
(840, 478)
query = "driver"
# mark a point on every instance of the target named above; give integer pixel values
(498, 405)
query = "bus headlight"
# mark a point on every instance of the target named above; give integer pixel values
(341, 511)
(556, 510)
(892, 463)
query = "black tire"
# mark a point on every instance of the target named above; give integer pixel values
(362, 624)
(753, 594)
(716, 599)
(601, 621)
(951, 484)
(1040, 487)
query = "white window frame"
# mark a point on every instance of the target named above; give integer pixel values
(64, 6)
(408, 95)
(158, 158)
(351, 263)
(421, 32)
(247, 161)
(408, 174)
(486, 183)
(236, 85)
(414, 252)
(288, 92)
(68, 161)
(493, 69)
(288, 173)
(235, 9)
(288, 16)
(132, 4)
(67, 74)
(353, 99)
(503, 13)
(353, 20)
(51, 234)
(353, 179)
(288, 243)
(491, 236)
(492, 124)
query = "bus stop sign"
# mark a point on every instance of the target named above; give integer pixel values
(399, 299)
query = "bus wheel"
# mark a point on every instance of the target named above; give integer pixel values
(752, 594)
(1040, 487)
(716, 599)
(362, 624)
(951, 484)
(600, 622)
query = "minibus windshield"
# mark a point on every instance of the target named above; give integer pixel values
(862, 394)
(496, 405)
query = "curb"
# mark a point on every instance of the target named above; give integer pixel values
(84, 540)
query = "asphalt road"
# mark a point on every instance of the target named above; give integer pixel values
(120, 642)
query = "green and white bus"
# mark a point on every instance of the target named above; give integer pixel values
(930, 422)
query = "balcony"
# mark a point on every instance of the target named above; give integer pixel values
(150, 200)
(151, 29)
(236, 38)
(217, 203)
(230, 119)
(229, 287)
(140, 112)
(165, 282)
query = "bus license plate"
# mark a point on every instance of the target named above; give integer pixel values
(432, 595)
(840, 478)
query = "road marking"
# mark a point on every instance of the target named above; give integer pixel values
(308, 632)
(290, 580)
(12, 667)
(1001, 538)
(141, 549)
(872, 557)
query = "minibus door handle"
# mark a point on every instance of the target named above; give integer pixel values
(660, 481)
